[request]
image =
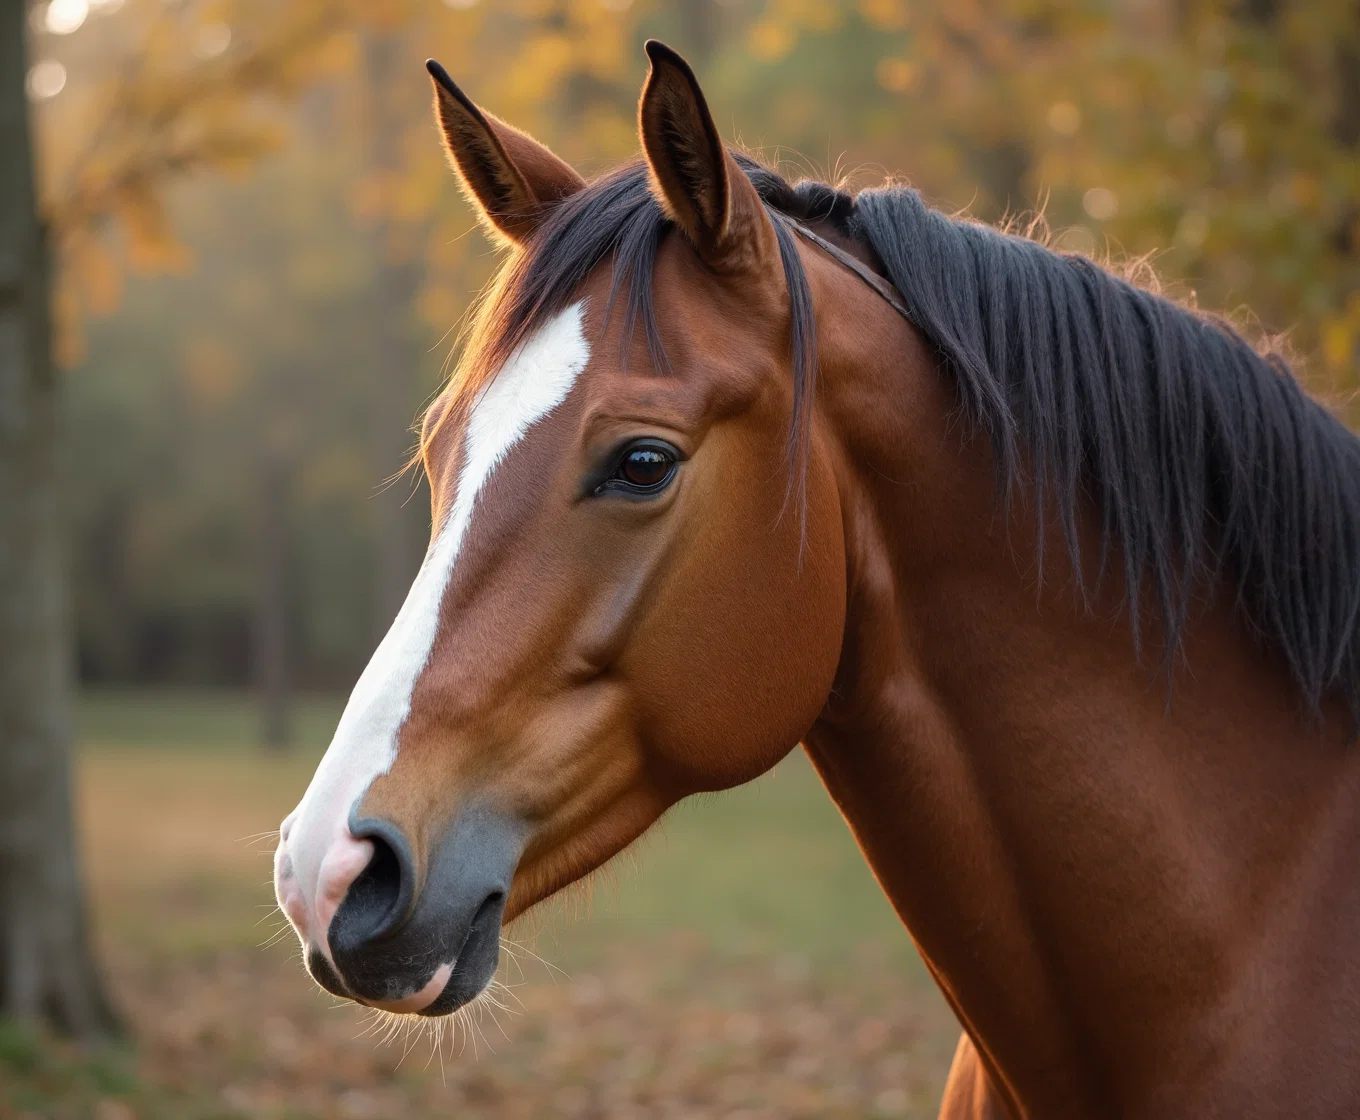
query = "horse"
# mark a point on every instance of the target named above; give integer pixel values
(1055, 581)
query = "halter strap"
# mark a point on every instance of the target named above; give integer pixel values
(858, 267)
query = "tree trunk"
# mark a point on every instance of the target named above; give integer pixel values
(46, 971)
(272, 601)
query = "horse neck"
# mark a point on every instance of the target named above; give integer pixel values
(1086, 861)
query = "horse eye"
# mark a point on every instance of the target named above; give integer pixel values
(645, 467)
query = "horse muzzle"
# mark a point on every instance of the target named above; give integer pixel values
(376, 930)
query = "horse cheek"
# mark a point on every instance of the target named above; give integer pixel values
(752, 617)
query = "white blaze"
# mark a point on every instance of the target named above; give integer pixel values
(535, 380)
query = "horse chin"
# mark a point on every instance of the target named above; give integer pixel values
(470, 975)
(450, 987)
(453, 986)
(421, 1001)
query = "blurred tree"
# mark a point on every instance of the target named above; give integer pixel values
(159, 122)
(46, 970)
(1220, 137)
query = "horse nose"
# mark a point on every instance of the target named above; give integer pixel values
(371, 900)
(402, 933)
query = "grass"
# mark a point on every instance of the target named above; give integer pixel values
(194, 719)
(751, 908)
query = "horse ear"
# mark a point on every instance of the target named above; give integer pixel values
(508, 175)
(694, 177)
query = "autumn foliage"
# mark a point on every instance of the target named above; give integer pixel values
(1221, 142)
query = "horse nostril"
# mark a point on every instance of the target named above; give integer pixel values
(379, 901)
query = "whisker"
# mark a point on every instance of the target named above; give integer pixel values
(369, 1023)
(515, 948)
(438, 1043)
(405, 1042)
(481, 1011)
(509, 993)
(275, 937)
(274, 909)
(395, 1025)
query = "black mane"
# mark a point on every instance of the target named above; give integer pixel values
(1207, 461)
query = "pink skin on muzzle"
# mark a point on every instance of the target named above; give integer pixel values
(343, 862)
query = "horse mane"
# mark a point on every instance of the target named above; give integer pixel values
(1205, 459)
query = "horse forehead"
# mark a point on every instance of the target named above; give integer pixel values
(534, 381)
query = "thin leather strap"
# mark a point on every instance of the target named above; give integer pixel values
(858, 267)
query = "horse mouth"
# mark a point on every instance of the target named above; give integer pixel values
(418, 1002)
(471, 973)
(384, 985)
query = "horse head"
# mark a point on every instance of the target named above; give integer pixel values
(635, 583)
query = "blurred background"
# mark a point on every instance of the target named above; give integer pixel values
(259, 261)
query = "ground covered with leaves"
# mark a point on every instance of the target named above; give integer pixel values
(742, 965)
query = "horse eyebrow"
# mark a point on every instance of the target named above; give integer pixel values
(1189, 441)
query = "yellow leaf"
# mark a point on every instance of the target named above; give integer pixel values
(887, 15)
(1338, 343)
(770, 39)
